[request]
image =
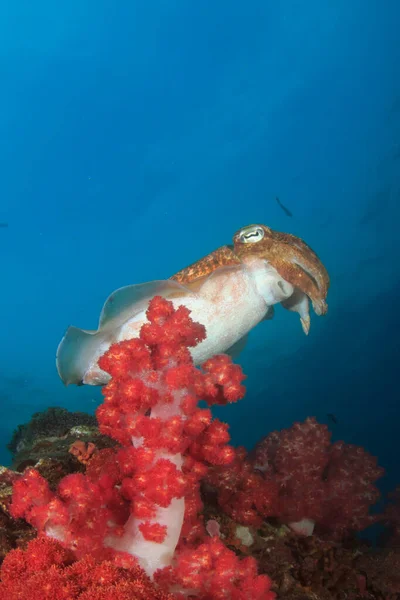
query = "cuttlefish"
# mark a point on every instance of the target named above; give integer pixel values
(229, 291)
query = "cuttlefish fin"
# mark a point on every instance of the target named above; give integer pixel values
(237, 347)
(299, 302)
(269, 314)
(130, 300)
(79, 347)
(76, 351)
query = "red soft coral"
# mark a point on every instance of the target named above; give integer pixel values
(137, 498)
(243, 493)
(46, 571)
(217, 574)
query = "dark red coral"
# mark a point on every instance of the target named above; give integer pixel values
(391, 519)
(332, 485)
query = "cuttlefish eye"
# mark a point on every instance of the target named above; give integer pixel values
(251, 234)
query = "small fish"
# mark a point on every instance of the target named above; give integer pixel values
(332, 417)
(3, 225)
(285, 210)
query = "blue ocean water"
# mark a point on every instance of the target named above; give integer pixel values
(136, 137)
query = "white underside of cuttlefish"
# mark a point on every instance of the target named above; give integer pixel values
(229, 303)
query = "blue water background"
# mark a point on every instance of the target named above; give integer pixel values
(138, 136)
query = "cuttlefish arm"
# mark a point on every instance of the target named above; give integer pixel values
(299, 302)
(299, 264)
(295, 262)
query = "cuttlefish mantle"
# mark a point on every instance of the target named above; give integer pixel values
(229, 291)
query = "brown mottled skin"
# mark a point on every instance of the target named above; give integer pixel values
(294, 260)
(222, 257)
